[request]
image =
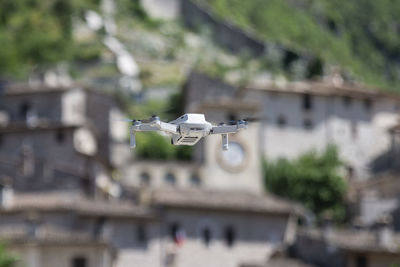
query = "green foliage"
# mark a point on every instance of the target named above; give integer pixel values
(313, 179)
(360, 36)
(37, 33)
(6, 260)
(152, 145)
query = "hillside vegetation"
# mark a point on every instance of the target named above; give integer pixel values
(362, 37)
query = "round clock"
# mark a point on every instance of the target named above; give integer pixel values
(235, 158)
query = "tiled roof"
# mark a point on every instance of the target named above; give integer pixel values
(26, 88)
(354, 240)
(45, 234)
(223, 200)
(78, 204)
(279, 262)
(324, 88)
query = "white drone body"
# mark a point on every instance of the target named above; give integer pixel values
(187, 129)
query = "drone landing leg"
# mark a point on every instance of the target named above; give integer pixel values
(132, 138)
(225, 142)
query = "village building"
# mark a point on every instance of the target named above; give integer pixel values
(297, 117)
(65, 199)
(353, 248)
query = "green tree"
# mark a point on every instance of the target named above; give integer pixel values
(312, 179)
(6, 260)
(37, 34)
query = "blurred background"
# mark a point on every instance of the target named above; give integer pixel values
(313, 181)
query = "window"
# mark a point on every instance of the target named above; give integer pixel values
(232, 117)
(361, 261)
(60, 137)
(206, 236)
(1, 139)
(350, 172)
(195, 180)
(79, 262)
(229, 236)
(1, 195)
(177, 233)
(281, 121)
(99, 226)
(170, 179)
(144, 179)
(347, 101)
(24, 110)
(174, 230)
(141, 233)
(308, 124)
(307, 102)
(368, 104)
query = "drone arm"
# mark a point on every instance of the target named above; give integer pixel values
(225, 129)
(155, 126)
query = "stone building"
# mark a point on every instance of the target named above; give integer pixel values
(330, 248)
(308, 115)
(59, 203)
(74, 125)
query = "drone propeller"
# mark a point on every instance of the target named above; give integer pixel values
(124, 120)
(153, 118)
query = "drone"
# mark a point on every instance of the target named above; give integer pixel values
(186, 130)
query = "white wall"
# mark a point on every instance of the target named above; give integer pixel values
(333, 121)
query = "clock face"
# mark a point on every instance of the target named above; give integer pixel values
(235, 155)
(234, 158)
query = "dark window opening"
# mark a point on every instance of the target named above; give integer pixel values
(79, 262)
(206, 235)
(60, 136)
(99, 226)
(308, 124)
(281, 121)
(177, 233)
(229, 236)
(170, 179)
(1, 139)
(361, 261)
(1, 194)
(307, 102)
(350, 172)
(368, 104)
(195, 180)
(347, 101)
(232, 117)
(174, 230)
(86, 186)
(24, 110)
(144, 179)
(141, 233)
